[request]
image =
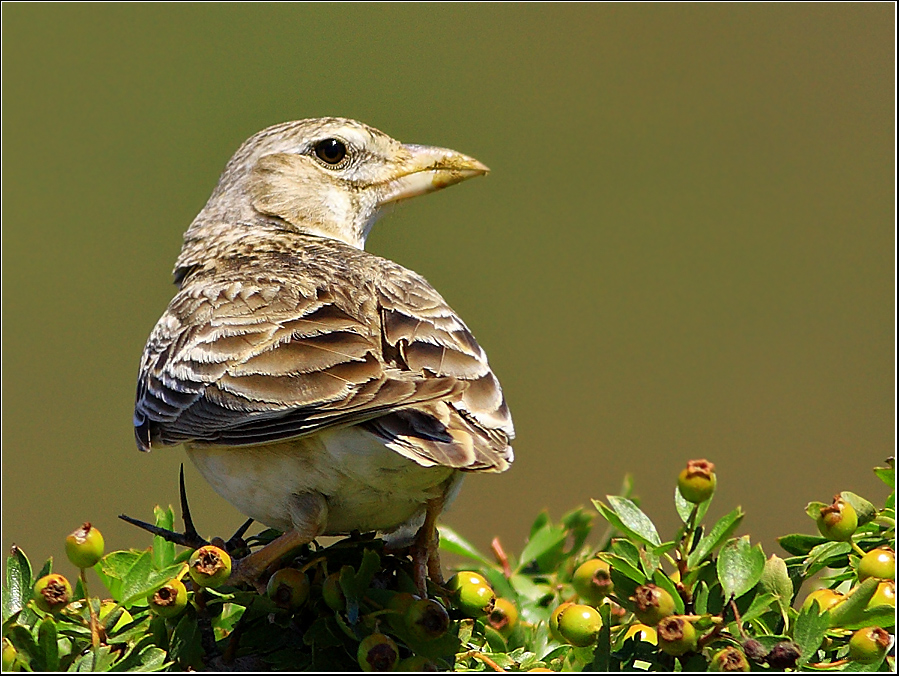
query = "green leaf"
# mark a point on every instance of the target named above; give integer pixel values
(541, 521)
(624, 567)
(826, 554)
(809, 630)
(864, 509)
(452, 542)
(163, 550)
(223, 623)
(776, 581)
(740, 567)
(886, 474)
(19, 582)
(626, 517)
(813, 509)
(852, 607)
(759, 606)
(709, 542)
(113, 568)
(47, 638)
(798, 544)
(701, 598)
(627, 550)
(143, 579)
(603, 650)
(543, 542)
(685, 509)
(663, 581)
(185, 646)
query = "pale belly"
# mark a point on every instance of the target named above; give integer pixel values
(367, 486)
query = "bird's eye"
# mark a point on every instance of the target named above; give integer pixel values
(330, 151)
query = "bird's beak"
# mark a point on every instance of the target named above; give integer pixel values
(427, 169)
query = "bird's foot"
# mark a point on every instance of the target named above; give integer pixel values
(424, 551)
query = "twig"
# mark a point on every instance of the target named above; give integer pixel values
(500, 554)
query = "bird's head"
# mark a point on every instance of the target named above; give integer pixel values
(331, 176)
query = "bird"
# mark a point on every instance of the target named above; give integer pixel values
(319, 388)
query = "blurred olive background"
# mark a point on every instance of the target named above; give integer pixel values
(684, 250)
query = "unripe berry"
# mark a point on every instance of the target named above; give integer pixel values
(879, 563)
(52, 593)
(826, 599)
(579, 625)
(884, 596)
(210, 566)
(554, 621)
(652, 603)
(676, 635)
(288, 588)
(643, 633)
(869, 645)
(729, 659)
(84, 546)
(838, 521)
(427, 620)
(332, 593)
(471, 594)
(169, 600)
(592, 581)
(9, 656)
(107, 607)
(503, 617)
(399, 604)
(697, 482)
(377, 652)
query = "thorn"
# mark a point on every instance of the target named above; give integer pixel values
(189, 530)
(185, 540)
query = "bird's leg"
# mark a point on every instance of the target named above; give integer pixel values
(309, 514)
(190, 538)
(425, 555)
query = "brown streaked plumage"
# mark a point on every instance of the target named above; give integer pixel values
(319, 388)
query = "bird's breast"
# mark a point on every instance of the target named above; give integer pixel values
(368, 487)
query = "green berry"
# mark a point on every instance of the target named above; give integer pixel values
(10, 655)
(879, 563)
(838, 521)
(676, 635)
(697, 482)
(427, 620)
(210, 566)
(643, 633)
(377, 652)
(503, 617)
(554, 621)
(84, 547)
(416, 663)
(399, 604)
(869, 645)
(592, 581)
(885, 595)
(169, 600)
(471, 594)
(288, 588)
(332, 593)
(52, 593)
(107, 607)
(729, 659)
(826, 599)
(652, 603)
(579, 625)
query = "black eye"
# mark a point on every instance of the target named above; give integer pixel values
(330, 151)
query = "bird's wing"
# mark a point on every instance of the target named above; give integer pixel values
(320, 336)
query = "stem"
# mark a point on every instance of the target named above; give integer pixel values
(858, 550)
(500, 554)
(486, 660)
(95, 629)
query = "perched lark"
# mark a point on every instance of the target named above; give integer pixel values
(318, 388)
